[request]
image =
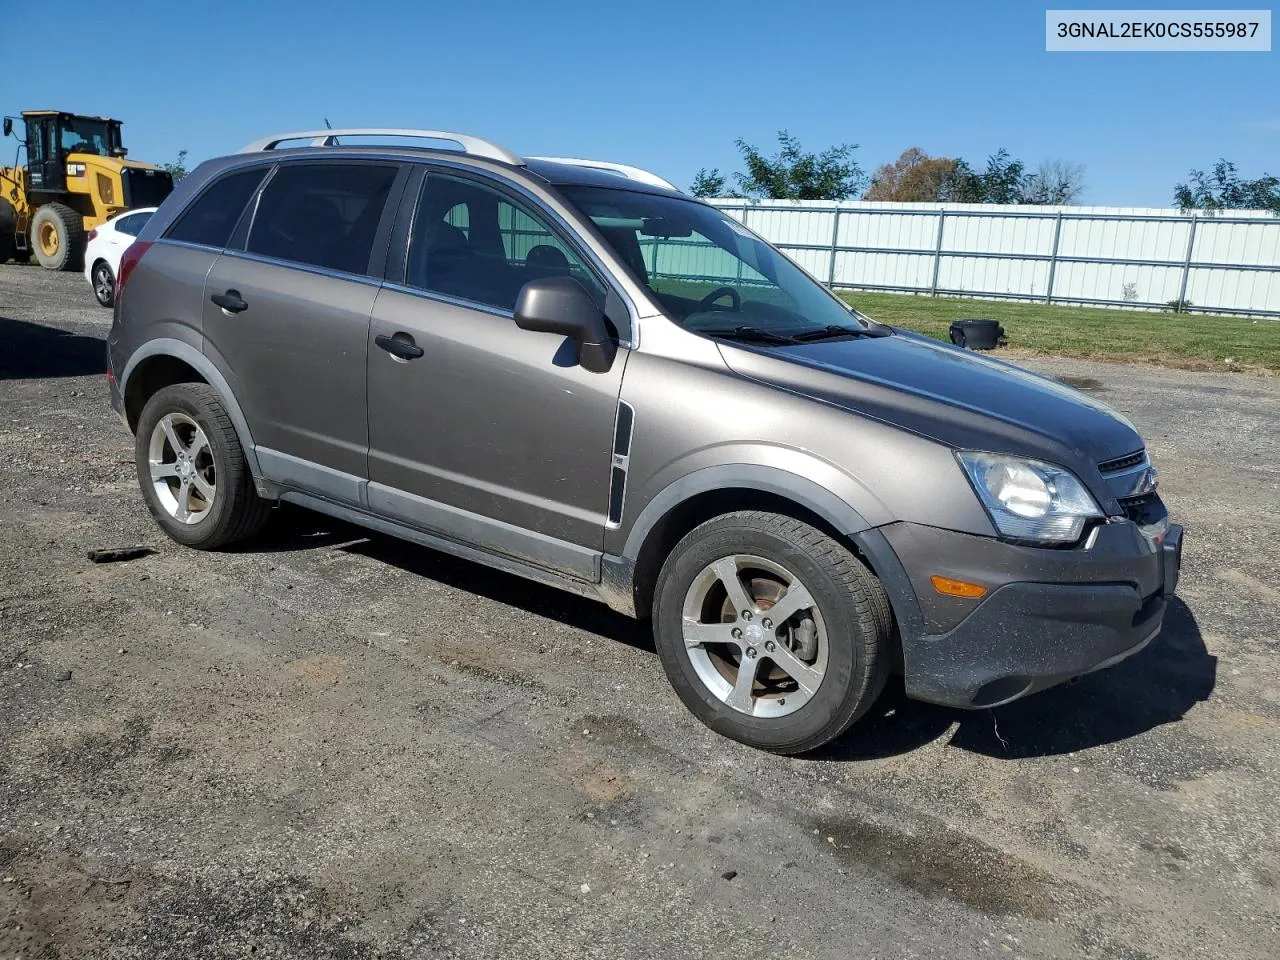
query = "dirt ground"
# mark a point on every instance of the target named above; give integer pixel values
(330, 744)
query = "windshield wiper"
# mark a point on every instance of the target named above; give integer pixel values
(755, 334)
(832, 331)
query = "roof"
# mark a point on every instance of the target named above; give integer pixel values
(66, 113)
(554, 170)
(564, 174)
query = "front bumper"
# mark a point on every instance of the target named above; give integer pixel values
(1049, 615)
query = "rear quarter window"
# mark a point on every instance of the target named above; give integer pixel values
(209, 220)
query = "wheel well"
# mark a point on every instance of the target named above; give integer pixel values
(698, 509)
(155, 373)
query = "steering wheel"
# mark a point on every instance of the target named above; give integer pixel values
(709, 300)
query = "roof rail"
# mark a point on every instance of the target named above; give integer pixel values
(328, 138)
(631, 173)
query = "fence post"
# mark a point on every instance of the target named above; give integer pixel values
(835, 240)
(937, 252)
(1180, 307)
(1053, 258)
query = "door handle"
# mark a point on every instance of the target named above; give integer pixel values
(401, 345)
(230, 301)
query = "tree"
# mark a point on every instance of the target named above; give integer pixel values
(708, 183)
(1001, 182)
(792, 174)
(1224, 190)
(915, 177)
(1054, 182)
(178, 168)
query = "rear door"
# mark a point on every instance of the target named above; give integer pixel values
(288, 315)
(493, 435)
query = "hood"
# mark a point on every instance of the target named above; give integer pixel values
(953, 396)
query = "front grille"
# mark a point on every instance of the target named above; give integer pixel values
(145, 188)
(1145, 509)
(1122, 463)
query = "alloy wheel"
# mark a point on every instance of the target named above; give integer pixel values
(103, 285)
(182, 468)
(755, 636)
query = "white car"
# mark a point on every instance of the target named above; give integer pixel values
(106, 245)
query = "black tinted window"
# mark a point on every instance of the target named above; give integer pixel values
(210, 220)
(475, 243)
(132, 225)
(323, 214)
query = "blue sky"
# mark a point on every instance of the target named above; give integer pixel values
(667, 86)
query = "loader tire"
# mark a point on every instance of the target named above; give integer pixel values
(57, 237)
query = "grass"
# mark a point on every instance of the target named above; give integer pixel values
(1186, 341)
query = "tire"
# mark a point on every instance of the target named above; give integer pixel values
(850, 629)
(104, 284)
(234, 511)
(57, 237)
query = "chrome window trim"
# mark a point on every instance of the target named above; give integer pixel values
(187, 244)
(305, 267)
(451, 300)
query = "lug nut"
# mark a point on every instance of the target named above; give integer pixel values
(746, 614)
(767, 623)
(736, 633)
(769, 646)
(751, 653)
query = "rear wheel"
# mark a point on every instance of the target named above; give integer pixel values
(771, 632)
(104, 283)
(192, 470)
(57, 237)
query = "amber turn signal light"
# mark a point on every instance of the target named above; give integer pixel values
(957, 588)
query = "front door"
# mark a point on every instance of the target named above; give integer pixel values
(491, 435)
(289, 318)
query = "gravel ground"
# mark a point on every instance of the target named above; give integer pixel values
(331, 744)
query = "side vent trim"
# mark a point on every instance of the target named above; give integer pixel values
(623, 429)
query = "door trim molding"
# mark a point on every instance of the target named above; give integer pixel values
(492, 536)
(290, 471)
(489, 539)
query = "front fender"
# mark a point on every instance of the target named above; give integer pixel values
(805, 481)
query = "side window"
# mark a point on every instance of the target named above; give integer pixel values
(131, 225)
(210, 220)
(475, 243)
(322, 214)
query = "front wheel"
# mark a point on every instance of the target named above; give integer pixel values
(772, 632)
(192, 469)
(57, 235)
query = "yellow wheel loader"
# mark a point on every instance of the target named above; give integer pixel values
(75, 178)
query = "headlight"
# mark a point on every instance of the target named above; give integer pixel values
(1030, 499)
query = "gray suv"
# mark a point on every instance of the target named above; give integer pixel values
(570, 371)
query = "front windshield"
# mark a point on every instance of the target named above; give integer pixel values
(709, 273)
(82, 135)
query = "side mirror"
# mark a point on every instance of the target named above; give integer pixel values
(8, 126)
(561, 305)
